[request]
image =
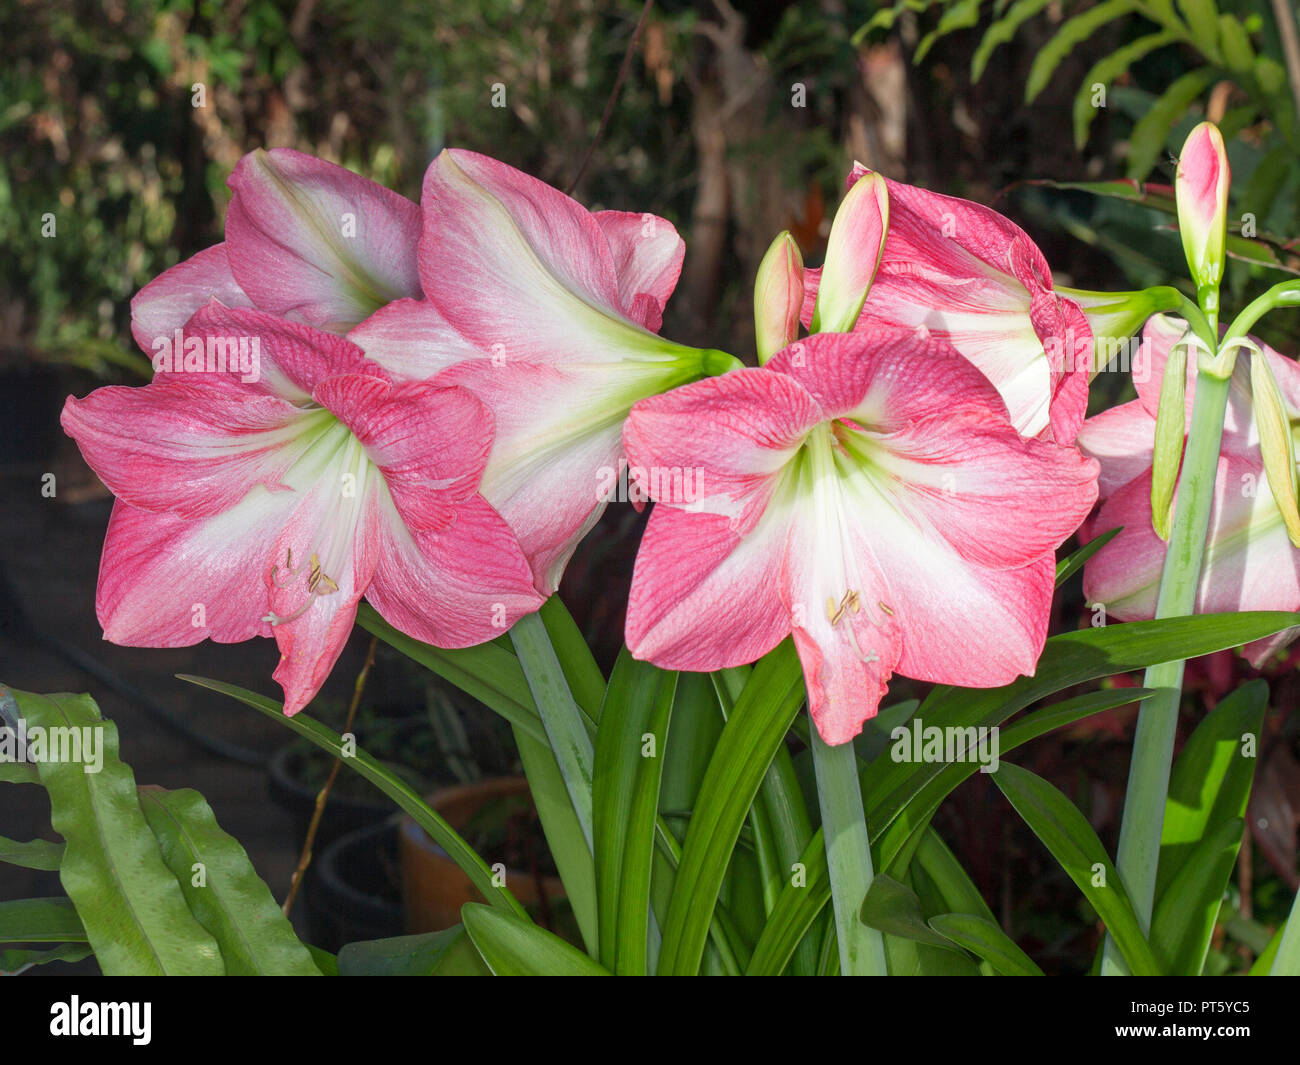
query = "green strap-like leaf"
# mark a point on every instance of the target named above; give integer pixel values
(16, 962)
(1072, 34)
(222, 888)
(391, 785)
(512, 946)
(1185, 914)
(1002, 31)
(749, 740)
(33, 854)
(131, 905)
(892, 906)
(1104, 72)
(1147, 140)
(1073, 843)
(634, 720)
(40, 921)
(446, 953)
(986, 940)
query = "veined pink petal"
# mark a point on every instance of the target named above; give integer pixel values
(167, 302)
(168, 581)
(457, 586)
(178, 447)
(724, 609)
(317, 243)
(430, 444)
(291, 357)
(647, 254)
(326, 556)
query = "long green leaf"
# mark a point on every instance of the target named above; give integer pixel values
(1073, 33)
(749, 740)
(630, 750)
(391, 785)
(586, 682)
(985, 939)
(16, 962)
(1002, 31)
(135, 916)
(1104, 72)
(41, 921)
(32, 854)
(1147, 140)
(1185, 914)
(512, 946)
(446, 953)
(1073, 843)
(222, 888)
(893, 907)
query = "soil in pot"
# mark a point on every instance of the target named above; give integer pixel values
(353, 888)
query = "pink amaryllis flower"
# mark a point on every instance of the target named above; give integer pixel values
(547, 312)
(305, 240)
(1250, 560)
(964, 274)
(270, 506)
(868, 495)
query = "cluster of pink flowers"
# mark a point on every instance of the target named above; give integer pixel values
(440, 389)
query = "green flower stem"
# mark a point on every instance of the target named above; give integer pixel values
(570, 742)
(1153, 745)
(1285, 294)
(848, 853)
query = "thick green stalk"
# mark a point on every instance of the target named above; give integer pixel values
(848, 854)
(1153, 744)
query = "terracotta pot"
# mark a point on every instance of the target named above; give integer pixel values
(433, 886)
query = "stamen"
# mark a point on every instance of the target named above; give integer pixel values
(318, 583)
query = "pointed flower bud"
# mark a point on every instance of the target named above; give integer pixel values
(778, 297)
(1275, 442)
(852, 255)
(1171, 422)
(1201, 189)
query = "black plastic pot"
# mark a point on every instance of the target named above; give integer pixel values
(353, 889)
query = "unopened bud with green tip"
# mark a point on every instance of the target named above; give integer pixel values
(778, 297)
(1201, 192)
(853, 253)
(1273, 420)
(1171, 425)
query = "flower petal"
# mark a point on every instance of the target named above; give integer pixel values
(167, 302)
(647, 254)
(315, 242)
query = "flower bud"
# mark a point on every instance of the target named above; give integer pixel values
(1275, 444)
(1201, 190)
(1171, 425)
(852, 255)
(778, 297)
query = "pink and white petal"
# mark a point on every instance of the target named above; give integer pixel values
(292, 357)
(409, 338)
(999, 500)
(516, 267)
(168, 581)
(452, 587)
(733, 433)
(556, 449)
(647, 254)
(325, 556)
(317, 243)
(431, 444)
(832, 587)
(1122, 439)
(166, 303)
(887, 378)
(173, 446)
(703, 596)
